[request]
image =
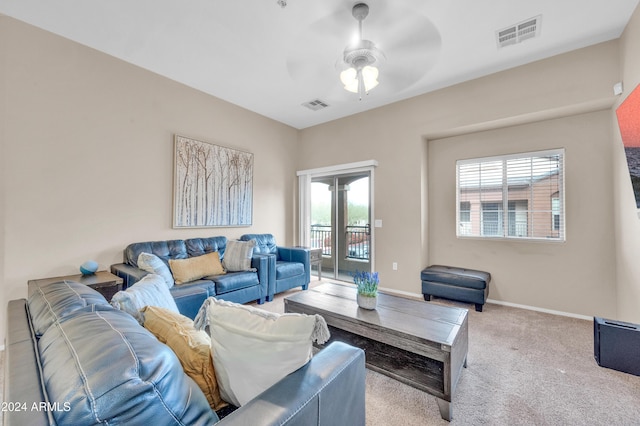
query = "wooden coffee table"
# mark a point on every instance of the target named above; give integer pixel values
(417, 343)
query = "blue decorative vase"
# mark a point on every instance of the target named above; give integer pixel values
(89, 267)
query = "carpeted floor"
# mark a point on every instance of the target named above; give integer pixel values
(524, 368)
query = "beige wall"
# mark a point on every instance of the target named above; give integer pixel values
(87, 157)
(627, 217)
(575, 276)
(3, 167)
(560, 95)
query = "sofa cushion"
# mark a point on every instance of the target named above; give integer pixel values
(200, 246)
(194, 268)
(235, 281)
(154, 265)
(189, 297)
(191, 346)
(52, 302)
(205, 284)
(253, 349)
(265, 243)
(151, 290)
(107, 369)
(165, 250)
(288, 269)
(237, 256)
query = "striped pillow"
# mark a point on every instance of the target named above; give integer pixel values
(237, 255)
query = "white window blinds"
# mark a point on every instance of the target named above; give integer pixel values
(512, 196)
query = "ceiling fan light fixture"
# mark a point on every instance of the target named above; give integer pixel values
(361, 75)
(361, 81)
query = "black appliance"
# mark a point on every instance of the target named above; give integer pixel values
(617, 345)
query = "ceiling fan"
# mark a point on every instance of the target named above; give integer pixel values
(361, 59)
(410, 42)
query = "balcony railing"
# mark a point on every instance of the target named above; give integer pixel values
(321, 238)
(357, 240)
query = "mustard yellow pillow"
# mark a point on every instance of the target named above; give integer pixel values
(194, 268)
(192, 347)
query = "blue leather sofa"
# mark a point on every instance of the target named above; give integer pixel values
(289, 267)
(239, 287)
(72, 359)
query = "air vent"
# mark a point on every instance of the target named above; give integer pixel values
(518, 33)
(315, 105)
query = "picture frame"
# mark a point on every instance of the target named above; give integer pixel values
(628, 115)
(213, 185)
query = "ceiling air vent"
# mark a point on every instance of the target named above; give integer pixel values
(315, 105)
(518, 33)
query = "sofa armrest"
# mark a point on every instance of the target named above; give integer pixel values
(261, 262)
(328, 390)
(23, 385)
(296, 254)
(129, 274)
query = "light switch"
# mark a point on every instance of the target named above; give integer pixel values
(378, 223)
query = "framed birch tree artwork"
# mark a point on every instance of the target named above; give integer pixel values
(213, 185)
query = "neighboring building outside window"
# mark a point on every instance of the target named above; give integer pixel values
(492, 219)
(529, 187)
(464, 226)
(555, 208)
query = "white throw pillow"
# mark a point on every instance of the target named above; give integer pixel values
(151, 290)
(237, 255)
(154, 265)
(253, 349)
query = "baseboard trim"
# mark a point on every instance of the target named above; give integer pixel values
(544, 310)
(496, 302)
(401, 293)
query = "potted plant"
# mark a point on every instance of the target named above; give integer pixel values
(367, 283)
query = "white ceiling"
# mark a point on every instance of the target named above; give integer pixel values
(271, 60)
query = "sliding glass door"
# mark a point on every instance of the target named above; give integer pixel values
(340, 222)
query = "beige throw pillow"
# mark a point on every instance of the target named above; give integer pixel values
(253, 349)
(192, 347)
(194, 268)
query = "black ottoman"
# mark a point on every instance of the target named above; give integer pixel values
(464, 285)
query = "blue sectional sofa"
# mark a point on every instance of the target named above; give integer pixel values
(238, 287)
(72, 359)
(289, 267)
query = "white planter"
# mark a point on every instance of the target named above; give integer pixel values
(367, 302)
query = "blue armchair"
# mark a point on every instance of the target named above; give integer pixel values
(288, 266)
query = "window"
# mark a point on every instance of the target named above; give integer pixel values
(492, 219)
(464, 226)
(514, 196)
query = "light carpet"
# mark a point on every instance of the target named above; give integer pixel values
(523, 368)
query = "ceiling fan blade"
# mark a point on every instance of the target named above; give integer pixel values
(409, 41)
(315, 51)
(419, 34)
(411, 44)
